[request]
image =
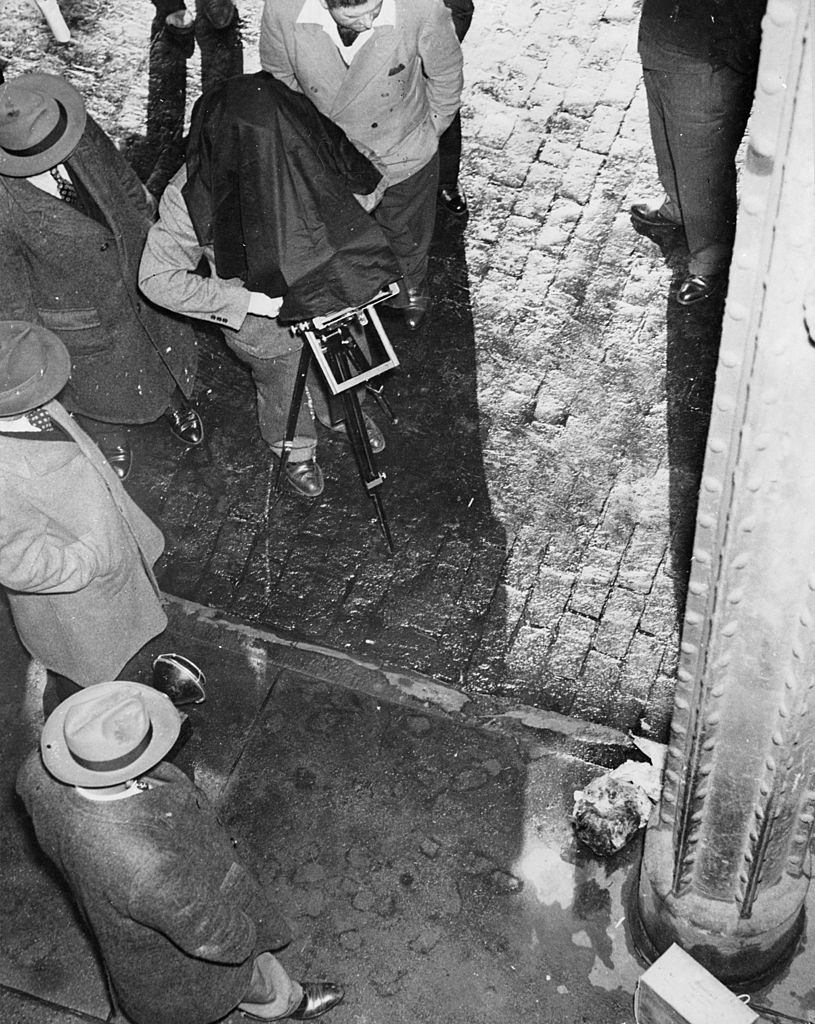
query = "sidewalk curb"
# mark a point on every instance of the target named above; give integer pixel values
(539, 730)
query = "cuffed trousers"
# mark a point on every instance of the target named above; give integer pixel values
(698, 118)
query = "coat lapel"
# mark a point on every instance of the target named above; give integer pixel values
(376, 54)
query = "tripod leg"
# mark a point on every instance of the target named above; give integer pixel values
(294, 412)
(361, 363)
(358, 436)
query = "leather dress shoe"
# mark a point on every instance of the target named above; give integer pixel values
(179, 679)
(185, 424)
(219, 13)
(306, 478)
(414, 312)
(453, 200)
(375, 435)
(120, 458)
(642, 216)
(698, 287)
(318, 997)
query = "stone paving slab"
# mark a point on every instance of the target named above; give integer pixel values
(542, 478)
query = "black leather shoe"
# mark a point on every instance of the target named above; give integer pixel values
(180, 28)
(453, 200)
(698, 287)
(318, 998)
(179, 679)
(120, 458)
(306, 478)
(415, 311)
(185, 424)
(220, 13)
(375, 435)
(642, 216)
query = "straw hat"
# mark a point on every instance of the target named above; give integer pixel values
(108, 733)
(42, 118)
(34, 366)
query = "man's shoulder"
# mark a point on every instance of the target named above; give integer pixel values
(285, 11)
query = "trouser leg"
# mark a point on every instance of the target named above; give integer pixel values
(706, 113)
(450, 154)
(272, 354)
(407, 215)
(659, 139)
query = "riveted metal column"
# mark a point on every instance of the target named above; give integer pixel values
(723, 866)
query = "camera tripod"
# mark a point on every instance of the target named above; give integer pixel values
(332, 342)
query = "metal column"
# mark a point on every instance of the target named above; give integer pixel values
(725, 866)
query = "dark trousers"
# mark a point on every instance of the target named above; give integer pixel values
(450, 141)
(697, 119)
(407, 215)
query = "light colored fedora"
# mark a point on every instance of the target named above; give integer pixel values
(42, 118)
(108, 733)
(34, 366)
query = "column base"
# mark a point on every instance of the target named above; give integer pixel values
(742, 952)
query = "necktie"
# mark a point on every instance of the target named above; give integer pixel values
(347, 35)
(66, 188)
(40, 419)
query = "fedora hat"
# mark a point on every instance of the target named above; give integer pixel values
(34, 366)
(108, 733)
(42, 118)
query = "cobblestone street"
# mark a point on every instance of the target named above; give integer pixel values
(552, 412)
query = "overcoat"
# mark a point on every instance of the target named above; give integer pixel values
(399, 93)
(177, 917)
(76, 275)
(76, 556)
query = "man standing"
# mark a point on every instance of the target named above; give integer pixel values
(76, 554)
(73, 218)
(699, 62)
(185, 930)
(389, 73)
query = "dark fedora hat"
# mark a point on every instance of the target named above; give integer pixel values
(34, 366)
(42, 118)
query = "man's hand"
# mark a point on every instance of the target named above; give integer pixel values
(262, 305)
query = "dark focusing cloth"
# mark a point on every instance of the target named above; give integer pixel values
(270, 186)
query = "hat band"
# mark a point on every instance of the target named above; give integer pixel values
(115, 763)
(50, 139)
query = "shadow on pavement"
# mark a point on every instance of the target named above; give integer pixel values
(693, 336)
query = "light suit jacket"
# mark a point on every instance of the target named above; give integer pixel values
(76, 556)
(399, 93)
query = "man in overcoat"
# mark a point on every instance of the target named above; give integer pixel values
(184, 928)
(76, 553)
(73, 219)
(389, 73)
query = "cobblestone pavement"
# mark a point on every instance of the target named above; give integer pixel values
(542, 477)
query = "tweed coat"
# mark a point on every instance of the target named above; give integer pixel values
(397, 96)
(76, 556)
(76, 275)
(177, 917)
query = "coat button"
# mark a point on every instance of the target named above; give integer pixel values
(104, 246)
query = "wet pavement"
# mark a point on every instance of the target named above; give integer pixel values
(418, 842)
(552, 413)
